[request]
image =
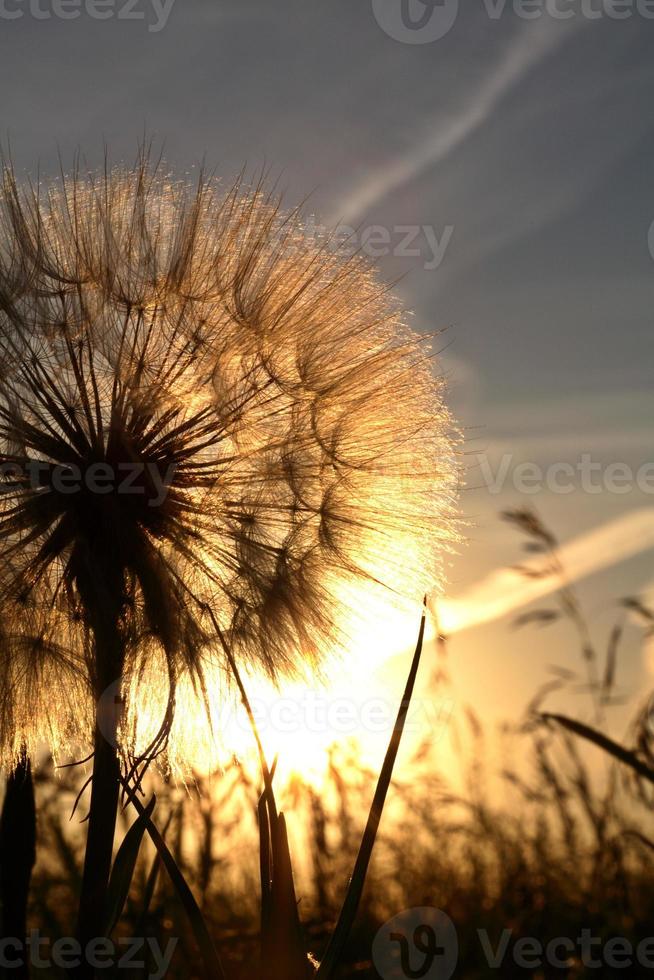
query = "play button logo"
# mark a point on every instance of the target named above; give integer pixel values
(417, 944)
(416, 21)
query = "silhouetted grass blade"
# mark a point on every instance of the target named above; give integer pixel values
(265, 867)
(212, 966)
(604, 742)
(123, 869)
(283, 954)
(17, 853)
(357, 882)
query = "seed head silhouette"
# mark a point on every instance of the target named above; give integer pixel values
(215, 434)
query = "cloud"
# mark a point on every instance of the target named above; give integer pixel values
(531, 47)
(505, 591)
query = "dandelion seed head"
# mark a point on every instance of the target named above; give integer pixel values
(290, 454)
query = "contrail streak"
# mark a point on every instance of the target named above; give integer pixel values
(506, 591)
(532, 46)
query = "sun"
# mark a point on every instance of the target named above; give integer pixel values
(300, 721)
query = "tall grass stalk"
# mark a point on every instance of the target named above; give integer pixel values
(17, 855)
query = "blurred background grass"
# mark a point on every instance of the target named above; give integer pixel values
(526, 828)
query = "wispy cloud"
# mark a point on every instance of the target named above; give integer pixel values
(505, 591)
(532, 46)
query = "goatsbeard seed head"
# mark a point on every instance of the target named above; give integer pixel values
(213, 429)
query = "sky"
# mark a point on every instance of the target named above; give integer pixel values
(496, 160)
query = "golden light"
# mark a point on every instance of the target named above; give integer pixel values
(300, 720)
